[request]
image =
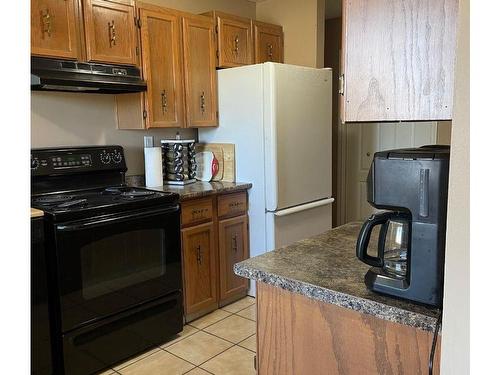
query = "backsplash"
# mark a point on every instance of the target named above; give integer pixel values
(76, 119)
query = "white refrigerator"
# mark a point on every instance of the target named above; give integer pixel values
(279, 117)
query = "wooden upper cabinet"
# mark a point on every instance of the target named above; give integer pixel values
(54, 28)
(233, 248)
(234, 40)
(268, 42)
(200, 269)
(398, 60)
(198, 46)
(110, 31)
(160, 45)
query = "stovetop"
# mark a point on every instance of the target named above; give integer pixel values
(100, 201)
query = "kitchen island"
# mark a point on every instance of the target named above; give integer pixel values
(316, 316)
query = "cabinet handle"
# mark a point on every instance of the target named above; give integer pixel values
(270, 50)
(47, 22)
(198, 255)
(202, 102)
(163, 101)
(236, 44)
(112, 33)
(234, 243)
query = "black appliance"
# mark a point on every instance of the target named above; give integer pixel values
(41, 357)
(113, 257)
(412, 184)
(63, 75)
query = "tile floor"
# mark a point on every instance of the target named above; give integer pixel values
(220, 343)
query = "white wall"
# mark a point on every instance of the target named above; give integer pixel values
(303, 24)
(456, 319)
(70, 119)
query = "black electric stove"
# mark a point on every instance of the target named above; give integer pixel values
(113, 258)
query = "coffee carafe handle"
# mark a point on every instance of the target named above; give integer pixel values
(364, 238)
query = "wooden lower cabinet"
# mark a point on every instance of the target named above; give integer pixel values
(299, 335)
(233, 248)
(213, 240)
(199, 257)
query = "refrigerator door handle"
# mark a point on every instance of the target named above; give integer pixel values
(307, 206)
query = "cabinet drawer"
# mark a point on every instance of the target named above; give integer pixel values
(196, 211)
(232, 204)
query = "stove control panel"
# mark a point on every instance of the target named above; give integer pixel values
(77, 159)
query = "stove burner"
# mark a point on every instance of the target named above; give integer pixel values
(113, 191)
(70, 204)
(137, 194)
(54, 199)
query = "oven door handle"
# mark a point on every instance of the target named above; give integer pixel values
(88, 224)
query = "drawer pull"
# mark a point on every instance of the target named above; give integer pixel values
(199, 253)
(112, 33)
(47, 23)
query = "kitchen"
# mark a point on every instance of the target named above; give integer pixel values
(249, 126)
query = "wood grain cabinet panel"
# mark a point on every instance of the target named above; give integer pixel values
(54, 28)
(200, 268)
(160, 46)
(398, 60)
(268, 42)
(234, 40)
(198, 46)
(233, 248)
(299, 335)
(110, 31)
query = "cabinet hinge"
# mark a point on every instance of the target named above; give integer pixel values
(217, 53)
(216, 29)
(255, 362)
(137, 22)
(341, 84)
(217, 114)
(144, 114)
(137, 51)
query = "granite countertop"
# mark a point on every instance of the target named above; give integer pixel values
(36, 212)
(202, 189)
(325, 268)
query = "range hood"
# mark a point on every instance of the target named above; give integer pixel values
(63, 75)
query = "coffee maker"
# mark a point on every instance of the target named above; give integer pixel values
(411, 186)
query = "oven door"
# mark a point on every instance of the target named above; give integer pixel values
(107, 264)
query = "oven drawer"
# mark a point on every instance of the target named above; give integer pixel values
(106, 342)
(232, 204)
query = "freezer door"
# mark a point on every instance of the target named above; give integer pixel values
(298, 134)
(291, 225)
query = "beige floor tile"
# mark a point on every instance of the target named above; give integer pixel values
(197, 371)
(159, 363)
(209, 319)
(250, 312)
(199, 347)
(239, 305)
(235, 361)
(234, 328)
(107, 372)
(188, 330)
(135, 359)
(250, 343)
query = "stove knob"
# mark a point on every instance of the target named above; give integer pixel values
(105, 157)
(117, 157)
(34, 163)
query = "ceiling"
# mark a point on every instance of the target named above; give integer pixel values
(333, 9)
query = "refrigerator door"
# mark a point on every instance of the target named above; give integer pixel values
(291, 225)
(298, 134)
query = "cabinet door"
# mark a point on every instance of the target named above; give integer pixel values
(198, 47)
(160, 44)
(233, 248)
(268, 40)
(398, 60)
(54, 27)
(234, 39)
(200, 270)
(110, 31)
